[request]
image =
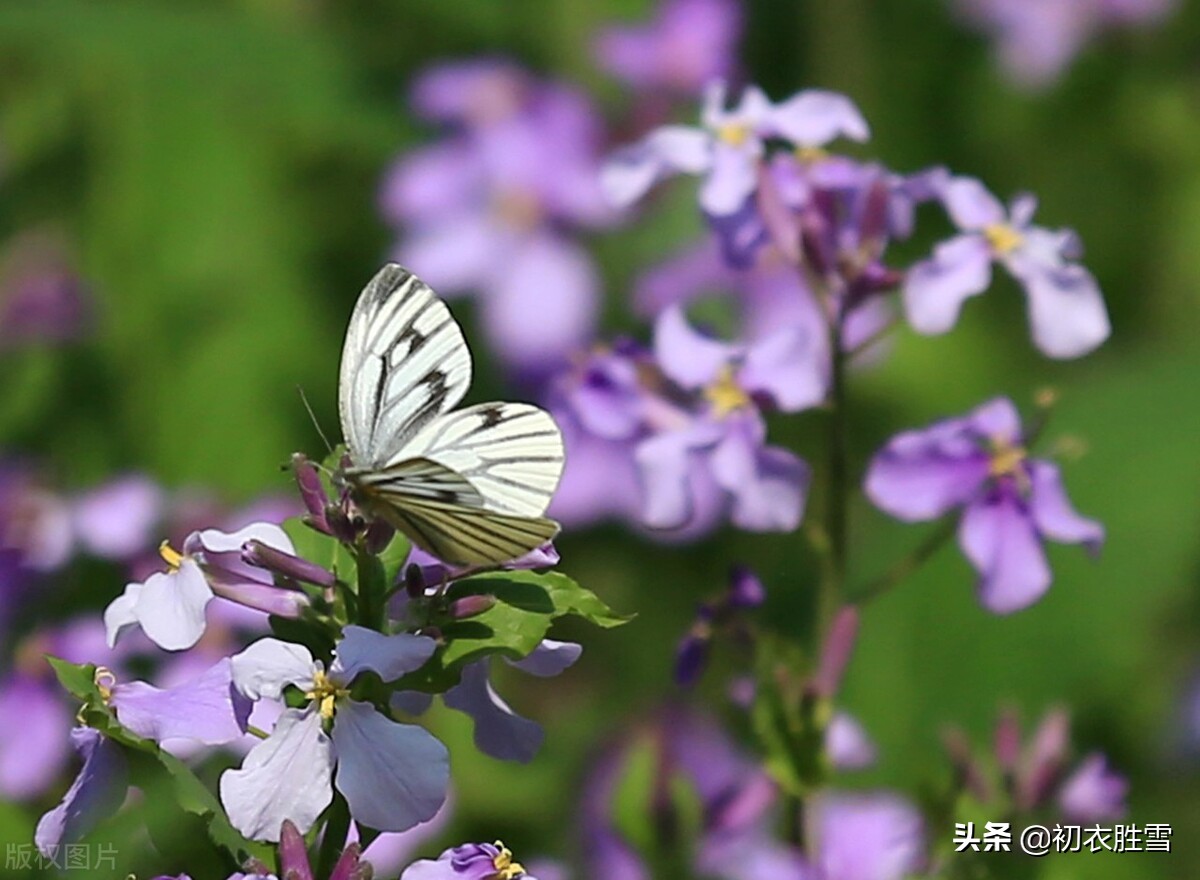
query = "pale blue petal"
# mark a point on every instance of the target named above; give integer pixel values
(389, 657)
(97, 792)
(170, 606)
(286, 776)
(499, 731)
(268, 666)
(394, 776)
(549, 658)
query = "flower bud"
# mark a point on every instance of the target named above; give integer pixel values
(469, 606)
(312, 491)
(293, 855)
(259, 554)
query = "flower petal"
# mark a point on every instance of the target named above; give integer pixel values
(876, 836)
(268, 666)
(115, 520)
(790, 365)
(970, 205)
(394, 776)
(96, 793)
(935, 289)
(629, 173)
(362, 649)
(170, 606)
(847, 743)
(120, 616)
(997, 534)
(33, 750)
(1093, 793)
(768, 484)
(207, 709)
(499, 731)
(687, 356)
(549, 658)
(731, 180)
(286, 776)
(1066, 310)
(1052, 510)
(814, 117)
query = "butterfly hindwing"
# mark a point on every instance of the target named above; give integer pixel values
(443, 514)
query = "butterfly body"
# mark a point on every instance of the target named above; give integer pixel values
(470, 486)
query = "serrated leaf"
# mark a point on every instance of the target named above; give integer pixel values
(552, 593)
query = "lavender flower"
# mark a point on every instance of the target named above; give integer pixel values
(1066, 311)
(170, 606)
(729, 145)
(97, 792)
(508, 188)
(1036, 40)
(392, 775)
(874, 835)
(688, 44)
(1094, 792)
(1011, 503)
(115, 520)
(470, 861)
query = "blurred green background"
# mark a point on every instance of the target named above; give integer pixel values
(213, 168)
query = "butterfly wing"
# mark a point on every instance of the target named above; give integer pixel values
(444, 515)
(405, 362)
(511, 453)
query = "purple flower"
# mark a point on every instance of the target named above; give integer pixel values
(722, 447)
(1011, 503)
(35, 523)
(470, 861)
(207, 709)
(1036, 40)
(33, 719)
(509, 189)
(41, 300)
(866, 836)
(1066, 311)
(686, 45)
(1093, 793)
(115, 520)
(170, 606)
(729, 145)
(393, 776)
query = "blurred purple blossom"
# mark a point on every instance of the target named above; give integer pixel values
(1036, 40)
(1011, 503)
(729, 145)
(41, 299)
(1066, 310)
(511, 186)
(1094, 792)
(687, 44)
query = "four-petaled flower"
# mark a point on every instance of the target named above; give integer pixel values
(392, 775)
(1011, 503)
(170, 606)
(1066, 310)
(471, 861)
(729, 145)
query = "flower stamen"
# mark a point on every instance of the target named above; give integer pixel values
(1002, 237)
(725, 395)
(506, 868)
(733, 133)
(1007, 460)
(326, 692)
(172, 557)
(811, 155)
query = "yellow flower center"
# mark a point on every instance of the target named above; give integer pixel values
(811, 155)
(734, 133)
(725, 395)
(172, 557)
(1002, 237)
(519, 209)
(326, 692)
(506, 868)
(1007, 459)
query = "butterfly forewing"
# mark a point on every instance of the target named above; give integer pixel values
(405, 362)
(468, 486)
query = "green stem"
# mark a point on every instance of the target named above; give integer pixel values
(333, 840)
(372, 589)
(908, 564)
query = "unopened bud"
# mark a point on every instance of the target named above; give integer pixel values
(298, 569)
(414, 580)
(312, 491)
(470, 606)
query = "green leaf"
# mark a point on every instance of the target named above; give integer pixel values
(393, 557)
(78, 679)
(552, 593)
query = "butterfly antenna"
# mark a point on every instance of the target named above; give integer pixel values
(313, 416)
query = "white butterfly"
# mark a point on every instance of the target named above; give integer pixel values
(469, 486)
